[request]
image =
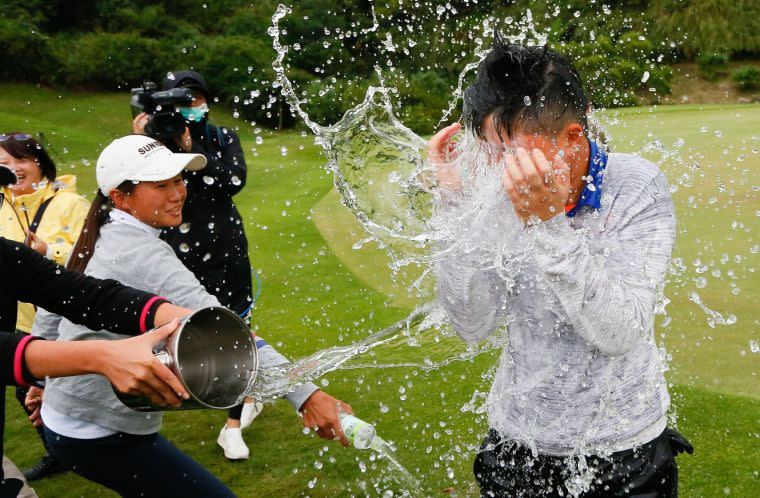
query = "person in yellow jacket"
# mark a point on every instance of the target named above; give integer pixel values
(44, 211)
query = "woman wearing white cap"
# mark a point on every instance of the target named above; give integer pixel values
(141, 190)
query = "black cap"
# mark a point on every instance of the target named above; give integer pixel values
(7, 176)
(186, 79)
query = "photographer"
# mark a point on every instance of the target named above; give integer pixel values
(210, 242)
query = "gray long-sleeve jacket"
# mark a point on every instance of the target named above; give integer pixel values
(135, 256)
(581, 371)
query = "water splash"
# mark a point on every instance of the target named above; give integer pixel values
(383, 180)
(274, 382)
(409, 485)
(714, 318)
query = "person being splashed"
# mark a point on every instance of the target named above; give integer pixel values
(578, 405)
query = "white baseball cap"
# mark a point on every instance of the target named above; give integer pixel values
(140, 158)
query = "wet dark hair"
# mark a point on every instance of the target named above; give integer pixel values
(524, 89)
(29, 149)
(97, 216)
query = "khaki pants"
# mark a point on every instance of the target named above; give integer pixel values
(11, 471)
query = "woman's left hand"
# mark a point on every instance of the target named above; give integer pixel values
(33, 403)
(36, 243)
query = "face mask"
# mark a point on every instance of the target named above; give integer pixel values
(194, 114)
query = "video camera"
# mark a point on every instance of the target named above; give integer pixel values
(165, 121)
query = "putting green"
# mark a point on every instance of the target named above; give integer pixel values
(714, 175)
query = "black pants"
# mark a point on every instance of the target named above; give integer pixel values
(137, 466)
(508, 469)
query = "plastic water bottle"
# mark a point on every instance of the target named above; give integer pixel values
(362, 434)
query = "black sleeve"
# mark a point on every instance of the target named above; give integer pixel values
(228, 171)
(96, 304)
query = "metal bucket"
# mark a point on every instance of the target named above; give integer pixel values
(212, 352)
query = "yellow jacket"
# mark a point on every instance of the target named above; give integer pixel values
(59, 227)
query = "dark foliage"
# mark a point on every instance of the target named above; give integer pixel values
(621, 49)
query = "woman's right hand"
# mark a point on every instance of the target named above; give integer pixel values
(138, 124)
(440, 148)
(133, 369)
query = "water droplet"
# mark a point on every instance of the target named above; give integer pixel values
(184, 247)
(208, 180)
(754, 346)
(645, 78)
(527, 101)
(184, 228)
(235, 180)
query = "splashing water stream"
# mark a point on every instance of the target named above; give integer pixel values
(273, 383)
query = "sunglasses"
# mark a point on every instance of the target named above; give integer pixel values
(16, 136)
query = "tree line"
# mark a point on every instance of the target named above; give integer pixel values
(337, 48)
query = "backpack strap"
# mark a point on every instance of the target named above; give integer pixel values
(222, 145)
(38, 215)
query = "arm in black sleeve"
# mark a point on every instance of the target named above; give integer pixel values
(96, 304)
(13, 369)
(228, 171)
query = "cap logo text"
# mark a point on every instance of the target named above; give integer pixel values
(148, 147)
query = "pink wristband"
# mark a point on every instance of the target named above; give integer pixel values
(145, 310)
(18, 359)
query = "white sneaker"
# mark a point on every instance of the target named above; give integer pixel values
(250, 411)
(231, 441)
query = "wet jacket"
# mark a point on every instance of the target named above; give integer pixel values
(211, 242)
(59, 226)
(580, 369)
(26, 275)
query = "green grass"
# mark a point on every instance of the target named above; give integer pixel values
(315, 296)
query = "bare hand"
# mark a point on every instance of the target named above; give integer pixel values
(535, 186)
(33, 403)
(320, 413)
(138, 124)
(440, 149)
(185, 142)
(133, 369)
(35, 242)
